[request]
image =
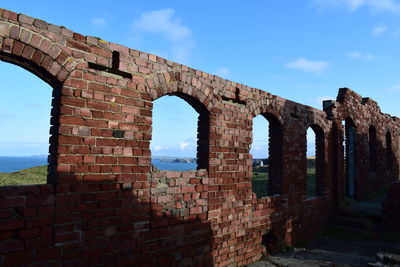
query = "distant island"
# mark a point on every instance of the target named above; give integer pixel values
(256, 162)
(39, 156)
(174, 159)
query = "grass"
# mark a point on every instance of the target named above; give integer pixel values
(311, 186)
(34, 175)
(260, 181)
(38, 175)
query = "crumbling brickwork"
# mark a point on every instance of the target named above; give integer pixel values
(105, 205)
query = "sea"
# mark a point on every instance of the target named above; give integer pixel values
(13, 164)
(173, 166)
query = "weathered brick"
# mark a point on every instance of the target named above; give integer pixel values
(18, 258)
(111, 206)
(11, 245)
(11, 224)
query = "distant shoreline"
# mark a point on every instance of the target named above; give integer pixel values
(32, 156)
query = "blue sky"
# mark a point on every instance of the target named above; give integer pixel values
(302, 50)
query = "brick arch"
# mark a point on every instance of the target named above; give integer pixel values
(318, 130)
(351, 121)
(275, 143)
(318, 124)
(348, 118)
(319, 157)
(47, 60)
(348, 115)
(263, 108)
(200, 94)
(203, 122)
(36, 53)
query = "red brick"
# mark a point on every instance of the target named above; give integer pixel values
(12, 202)
(92, 164)
(40, 200)
(18, 258)
(11, 224)
(11, 245)
(18, 48)
(188, 189)
(99, 87)
(81, 84)
(40, 221)
(77, 45)
(45, 254)
(29, 233)
(38, 243)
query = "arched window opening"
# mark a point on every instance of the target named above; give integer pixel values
(266, 150)
(179, 134)
(389, 152)
(28, 110)
(350, 151)
(336, 163)
(315, 161)
(372, 144)
(259, 151)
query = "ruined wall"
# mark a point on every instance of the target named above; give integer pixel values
(376, 162)
(104, 205)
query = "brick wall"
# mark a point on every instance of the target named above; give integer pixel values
(105, 205)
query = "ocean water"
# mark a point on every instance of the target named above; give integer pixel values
(12, 164)
(173, 166)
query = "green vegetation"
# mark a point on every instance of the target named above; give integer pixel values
(35, 175)
(311, 186)
(260, 181)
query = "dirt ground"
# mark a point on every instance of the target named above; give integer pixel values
(373, 245)
(328, 250)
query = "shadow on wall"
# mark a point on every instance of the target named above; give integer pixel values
(371, 165)
(364, 149)
(295, 216)
(102, 222)
(362, 162)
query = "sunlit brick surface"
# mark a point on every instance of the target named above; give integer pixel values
(104, 205)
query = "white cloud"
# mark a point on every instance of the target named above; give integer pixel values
(308, 66)
(351, 4)
(379, 30)
(395, 88)
(359, 55)
(157, 148)
(392, 6)
(223, 72)
(181, 52)
(165, 23)
(256, 148)
(99, 22)
(384, 5)
(183, 145)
